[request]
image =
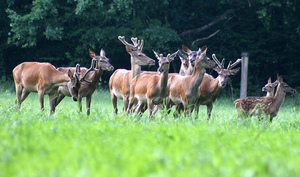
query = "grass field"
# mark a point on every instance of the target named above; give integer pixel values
(71, 144)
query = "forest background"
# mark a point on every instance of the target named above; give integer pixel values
(62, 31)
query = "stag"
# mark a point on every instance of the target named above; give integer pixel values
(99, 64)
(184, 89)
(45, 79)
(268, 105)
(119, 82)
(211, 87)
(151, 88)
(270, 87)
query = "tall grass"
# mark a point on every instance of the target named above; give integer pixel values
(70, 143)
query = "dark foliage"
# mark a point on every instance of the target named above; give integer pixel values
(61, 32)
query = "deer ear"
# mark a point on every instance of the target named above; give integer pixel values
(186, 49)
(70, 74)
(275, 83)
(102, 53)
(172, 56)
(182, 56)
(217, 69)
(204, 49)
(156, 54)
(128, 49)
(234, 71)
(269, 80)
(92, 53)
(280, 79)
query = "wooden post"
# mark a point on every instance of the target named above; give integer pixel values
(244, 75)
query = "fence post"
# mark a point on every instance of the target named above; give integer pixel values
(244, 75)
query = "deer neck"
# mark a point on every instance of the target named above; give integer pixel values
(271, 93)
(61, 79)
(135, 69)
(278, 98)
(190, 70)
(197, 78)
(214, 85)
(163, 81)
(97, 74)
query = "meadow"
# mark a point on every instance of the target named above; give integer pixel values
(70, 143)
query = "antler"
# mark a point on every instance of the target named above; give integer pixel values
(137, 44)
(92, 68)
(220, 65)
(234, 64)
(122, 39)
(77, 72)
(182, 55)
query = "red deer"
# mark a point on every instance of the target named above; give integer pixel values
(184, 63)
(87, 89)
(182, 71)
(184, 89)
(269, 87)
(268, 105)
(119, 82)
(211, 87)
(191, 57)
(44, 79)
(151, 88)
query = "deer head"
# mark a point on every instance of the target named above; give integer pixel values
(191, 54)
(164, 62)
(75, 83)
(184, 63)
(225, 73)
(270, 87)
(203, 60)
(102, 61)
(284, 86)
(135, 50)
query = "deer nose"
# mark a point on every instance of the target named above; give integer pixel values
(74, 98)
(151, 62)
(111, 68)
(223, 83)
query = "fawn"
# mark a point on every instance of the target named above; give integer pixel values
(270, 87)
(269, 105)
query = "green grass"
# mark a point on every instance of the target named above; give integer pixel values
(70, 143)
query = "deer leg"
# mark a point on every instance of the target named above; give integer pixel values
(41, 99)
(209, 109)
(130, 104)
(79, 103)
(24, 95)
(196, 108)
(144, 108)
(191, 108)
(59, 98)
(271, 118)
(88, 104)
(114, 100)
(52, 103)
(150, 108)
(138, 107)
(125, 102)
(185, 107)
(18, 94)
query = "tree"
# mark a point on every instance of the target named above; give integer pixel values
(61, 32)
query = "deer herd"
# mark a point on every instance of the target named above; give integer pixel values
(142, 90)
